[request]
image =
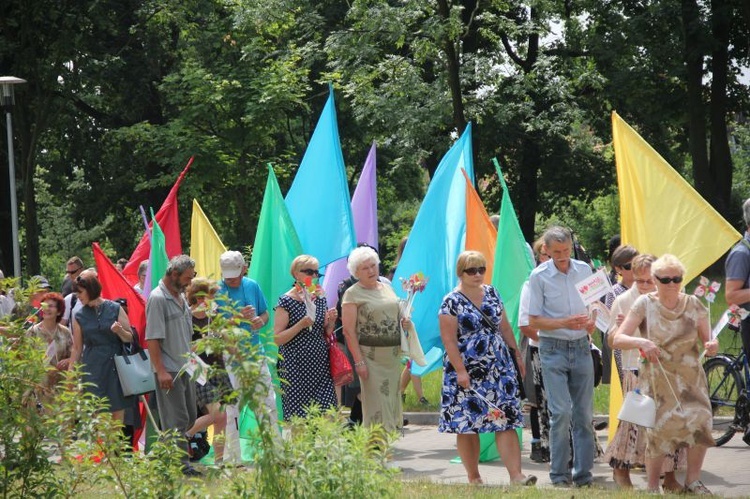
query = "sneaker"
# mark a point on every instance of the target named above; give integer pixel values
(697, 487)
(198, 447)
(424, 401)
(190, 471)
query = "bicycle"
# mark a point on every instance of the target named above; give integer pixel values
(728, 379)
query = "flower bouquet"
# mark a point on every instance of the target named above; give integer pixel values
(413, 285)
(494, 413)
(409, 339)
(309, 289)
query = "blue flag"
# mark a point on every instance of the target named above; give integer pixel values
(437, 238)
(318, 201)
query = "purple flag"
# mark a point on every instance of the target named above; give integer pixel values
(365, 215)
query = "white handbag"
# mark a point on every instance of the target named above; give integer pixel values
(638, 409)
(135, 373)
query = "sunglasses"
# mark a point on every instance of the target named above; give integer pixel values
(73, 271)
(310, 272)
(476, 270)
(627, 266)
(667, 280)
(80, 281)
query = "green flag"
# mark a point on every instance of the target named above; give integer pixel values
(513, 261)
(276, 245)
(158, 260)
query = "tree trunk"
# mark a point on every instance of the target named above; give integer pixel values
(721, 158)
(454, 78)
(528, 188)
(696, 120)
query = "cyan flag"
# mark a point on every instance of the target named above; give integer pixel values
(437, 238)
(318, 201)
(365, 212)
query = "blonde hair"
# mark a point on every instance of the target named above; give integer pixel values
(537, 247)
(642, 262)
(301, 261)
(667, 261)
(200, 286)
(469, 259)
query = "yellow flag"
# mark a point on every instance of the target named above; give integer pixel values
(481, 235)
(205, 245)
(660, 212)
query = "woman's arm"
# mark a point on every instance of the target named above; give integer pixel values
(506, 331)
(75, 352)
(283, 334)
(121, 327)
(624, 340)
(349, 323)
(449, 335)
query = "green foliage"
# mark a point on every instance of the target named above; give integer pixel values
(593, 222)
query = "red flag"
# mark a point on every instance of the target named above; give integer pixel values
(168, 219)
(114, 285)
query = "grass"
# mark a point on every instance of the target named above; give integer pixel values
(429, 490)
(729, 341)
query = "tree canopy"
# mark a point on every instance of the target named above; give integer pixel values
(121, 94)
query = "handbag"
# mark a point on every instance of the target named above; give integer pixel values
(596, 358)
(341, 369)
(134, 371)
(411, 346)
(638, 409)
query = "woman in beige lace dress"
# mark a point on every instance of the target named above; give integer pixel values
(672, 328)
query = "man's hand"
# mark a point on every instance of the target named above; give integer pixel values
(580, 321)
(248, 312)
(165, 380)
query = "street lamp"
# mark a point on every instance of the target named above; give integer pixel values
(7, 101)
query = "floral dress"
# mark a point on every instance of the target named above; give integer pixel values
(490, 367)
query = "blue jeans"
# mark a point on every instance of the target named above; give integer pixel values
(568, 375)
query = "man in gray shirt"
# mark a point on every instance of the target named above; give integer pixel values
(737, 269)
(558, 312)
(169, 330)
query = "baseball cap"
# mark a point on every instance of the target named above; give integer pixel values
(43, 282)
(231, 263)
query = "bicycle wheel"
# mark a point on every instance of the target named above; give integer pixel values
(724, 386)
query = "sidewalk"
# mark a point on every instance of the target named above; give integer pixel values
(424, 454)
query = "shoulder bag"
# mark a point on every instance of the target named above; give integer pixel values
(134, 371)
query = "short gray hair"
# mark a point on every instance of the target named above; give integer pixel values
(746, 212)
(180, 264)
(557, 234)
(359, 256)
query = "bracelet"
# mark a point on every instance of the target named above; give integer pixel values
(360, 363)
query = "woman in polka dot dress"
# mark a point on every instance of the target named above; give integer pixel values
(303, 364)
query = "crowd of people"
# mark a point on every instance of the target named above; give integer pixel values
(657, 334)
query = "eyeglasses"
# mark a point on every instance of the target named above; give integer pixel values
(70, 272)
(310, 272)
(476, 270)
(644, 281)
(627, 266)
(667, 280)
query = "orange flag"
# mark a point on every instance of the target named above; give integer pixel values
(481, 235)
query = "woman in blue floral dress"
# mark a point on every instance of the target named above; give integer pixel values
(480, 387)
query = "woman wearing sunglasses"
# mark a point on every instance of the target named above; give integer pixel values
(300, 327)
(480, 384)
(673, 327)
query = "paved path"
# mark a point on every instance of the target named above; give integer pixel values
(425, 454)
